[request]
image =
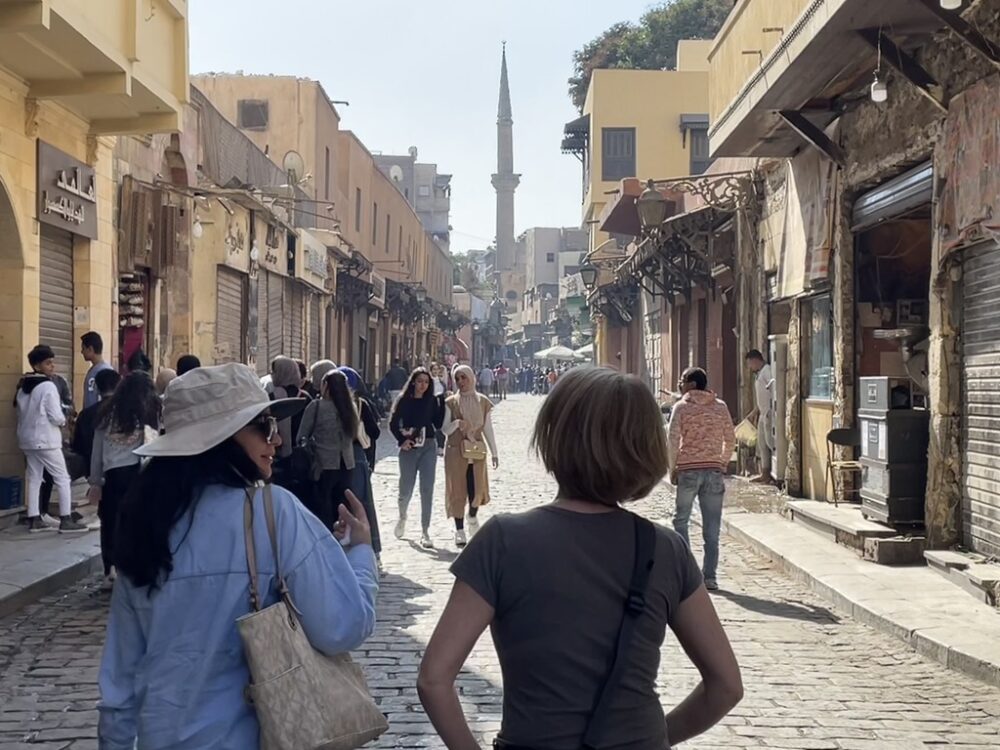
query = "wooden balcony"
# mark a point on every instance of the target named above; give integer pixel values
(120, 64)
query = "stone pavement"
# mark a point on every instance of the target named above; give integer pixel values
(815, 679)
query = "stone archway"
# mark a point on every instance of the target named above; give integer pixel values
(12, 349)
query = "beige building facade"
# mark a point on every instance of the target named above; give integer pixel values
(71, 75)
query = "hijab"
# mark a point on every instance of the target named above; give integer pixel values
(285, 373)
(319, 370)
(468, 399)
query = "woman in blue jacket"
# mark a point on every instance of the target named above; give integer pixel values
(174, 672)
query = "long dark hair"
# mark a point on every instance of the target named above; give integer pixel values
(133, 405)
(339, 393)
(411, 384)
(166, 490)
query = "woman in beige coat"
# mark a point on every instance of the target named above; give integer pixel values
(469, 430)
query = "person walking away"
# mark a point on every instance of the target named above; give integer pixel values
(317, 372)
(372, 432)
(40, 419)
(174, 671)
(599, 435)
(186, 363)
(92, 349)
(469, 427)
(287, 383)
(163, 378)
(486, 380)
(85, 428)
(439, 374)
(702, 439)
(416, 416)
(395, 380)
(139, 362)
(127, 420)
(502, 378)
(329, 427)
(763, 387)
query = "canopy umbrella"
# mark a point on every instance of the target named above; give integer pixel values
(556, 353)
(585, 352)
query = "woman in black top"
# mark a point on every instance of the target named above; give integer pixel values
(552, 584)
(416, 417)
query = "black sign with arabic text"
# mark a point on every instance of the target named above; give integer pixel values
(67, 192)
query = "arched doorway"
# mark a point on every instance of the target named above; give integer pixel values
(12, 349)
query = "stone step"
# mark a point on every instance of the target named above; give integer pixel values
(843, 524)
(974, 574)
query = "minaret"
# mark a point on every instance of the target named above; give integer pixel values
(505, 182)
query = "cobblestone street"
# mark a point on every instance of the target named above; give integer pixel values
(814, 680)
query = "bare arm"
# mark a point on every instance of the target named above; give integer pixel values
(700, 633)
(464, 619)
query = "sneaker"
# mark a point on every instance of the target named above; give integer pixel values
(401, 527)
(36, 525)
(473, 526)
(425, 541)
(49, 521)
(68, 526)
(711, 584)
(460, 540)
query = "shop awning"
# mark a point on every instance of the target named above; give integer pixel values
(620, 215)
(454, 345)
(826, 53)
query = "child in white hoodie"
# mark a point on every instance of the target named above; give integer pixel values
(40, 418)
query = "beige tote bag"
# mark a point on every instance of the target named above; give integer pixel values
(304, 699)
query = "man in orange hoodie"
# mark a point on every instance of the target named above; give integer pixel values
(702, 439)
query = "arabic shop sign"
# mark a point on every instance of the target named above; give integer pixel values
(67, 192)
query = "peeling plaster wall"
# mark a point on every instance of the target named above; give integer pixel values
(793, 402)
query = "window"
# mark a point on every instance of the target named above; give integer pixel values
(357, 209)
(388, 231)
(818, 347)
(424, 191)
(550, 257)
(251, 114)
(326, 173)
(699, 151)
(374, 224)
(617, 153)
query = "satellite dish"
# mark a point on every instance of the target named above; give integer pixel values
(294, 165)
(396, 173)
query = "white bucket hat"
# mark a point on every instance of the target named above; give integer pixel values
(208, 405)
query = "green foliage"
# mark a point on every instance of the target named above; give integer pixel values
(650, 44)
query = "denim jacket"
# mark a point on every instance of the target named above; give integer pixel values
(173, 672)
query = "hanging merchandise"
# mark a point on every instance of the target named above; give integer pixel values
(131, 301)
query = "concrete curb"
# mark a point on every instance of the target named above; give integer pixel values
(913, 604)
(31, 569)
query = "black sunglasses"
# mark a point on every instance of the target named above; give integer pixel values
(268, 426)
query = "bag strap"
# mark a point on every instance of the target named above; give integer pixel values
(635, 605)
(272, 533)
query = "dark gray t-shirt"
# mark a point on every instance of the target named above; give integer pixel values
(558, 581)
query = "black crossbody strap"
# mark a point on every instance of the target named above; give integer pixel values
(635, 605)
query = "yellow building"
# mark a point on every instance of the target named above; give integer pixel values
(646, 124)
(72, 72)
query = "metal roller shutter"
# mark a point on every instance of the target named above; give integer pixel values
(263, 362)
(275, 317)
(981, 398)
(55, 324)
(229, 316)
(315, 311)
(294, 310)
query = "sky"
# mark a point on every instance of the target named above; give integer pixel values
(426, 73)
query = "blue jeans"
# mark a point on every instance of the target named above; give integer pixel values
(710, 489)
(421, 460)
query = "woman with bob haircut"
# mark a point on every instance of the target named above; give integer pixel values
(556, 586)
(174, 673)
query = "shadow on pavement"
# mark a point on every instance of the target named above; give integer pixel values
(784, 610)
(441, 555)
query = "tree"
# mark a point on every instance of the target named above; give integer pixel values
(650, 44)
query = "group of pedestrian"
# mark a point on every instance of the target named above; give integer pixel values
(578, 593)
(428, 419)
(494, 381)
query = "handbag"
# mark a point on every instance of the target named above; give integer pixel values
(304, 699)
(635, 605)
(473, 450)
